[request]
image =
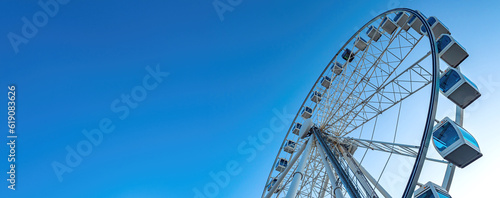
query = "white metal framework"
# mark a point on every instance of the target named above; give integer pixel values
(353, 115)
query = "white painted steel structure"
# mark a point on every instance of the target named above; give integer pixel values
(388, 64)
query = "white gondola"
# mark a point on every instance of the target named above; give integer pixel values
(400, 19)
(316, 97)
(336, 68)
(306, 112)
(431, 190)
(437, 27)
(360, 43)
(373, 33)
(271, 185)
(455, 144)
(348, 55)
(281, 164)
(458, 88)
(296, 128)
(326, 82)
(289, 146)
(388, 25)
(415, 23)
(450, 50)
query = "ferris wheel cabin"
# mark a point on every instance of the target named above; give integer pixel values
(281, 164)
(450, 50)
(388, 25)
(316, 96)
(289, 146)
(272, 184)
(296, 128)
(373, 33)
(437, 27)
(360, 43)
(348, 55)
(401, 18)
(326, 82)
(306, 112)
(455, 144)
(431, 190)
(458, 88)
(415, 23)
(336, 68)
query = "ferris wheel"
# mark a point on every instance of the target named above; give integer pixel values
(373, 109)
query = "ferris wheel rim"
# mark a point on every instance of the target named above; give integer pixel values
(425, 141)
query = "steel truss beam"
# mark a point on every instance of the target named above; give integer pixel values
(389, 147)
(351, 189)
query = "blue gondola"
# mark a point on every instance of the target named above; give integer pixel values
(450, 50)
(360, 43)
(373, 33)
(326, 82)
(271, 185)
(455, 144)
(296, 128)
(281, 164)
(336, 68)
(289, 146)
(458, 88)
(306, 112)
(348, 55)
(437, 27)
(316, 97)
(415, 23)
(431, 190)
(400, 19)
(388, 25)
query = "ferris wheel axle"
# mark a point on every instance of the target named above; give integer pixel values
(348, 184)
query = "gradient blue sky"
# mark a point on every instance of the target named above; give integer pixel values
(225, 78)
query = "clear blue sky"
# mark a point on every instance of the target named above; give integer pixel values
(225, 77)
